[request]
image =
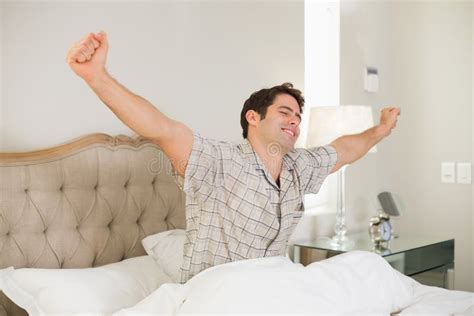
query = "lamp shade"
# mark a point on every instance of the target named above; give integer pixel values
(326, 123)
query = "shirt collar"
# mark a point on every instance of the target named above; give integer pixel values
(252, 156)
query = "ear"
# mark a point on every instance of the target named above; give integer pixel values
(252, 117)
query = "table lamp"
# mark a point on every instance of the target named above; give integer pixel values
(326, 123)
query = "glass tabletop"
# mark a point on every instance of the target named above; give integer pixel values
(362, 241)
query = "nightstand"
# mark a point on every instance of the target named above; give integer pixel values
(429, 260)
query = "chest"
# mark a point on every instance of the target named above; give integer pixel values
(246, 189)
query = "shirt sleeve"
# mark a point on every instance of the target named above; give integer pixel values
(315, 165)
(204, 167)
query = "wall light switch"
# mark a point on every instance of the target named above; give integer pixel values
(447, 172)
(464, 172)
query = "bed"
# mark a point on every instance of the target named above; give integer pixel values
(98, 224)
(86, 203)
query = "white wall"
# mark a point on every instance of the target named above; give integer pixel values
(423, 51)
(197, 61)
(362, 44)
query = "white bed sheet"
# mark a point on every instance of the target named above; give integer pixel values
(430, 300)
(355, 283)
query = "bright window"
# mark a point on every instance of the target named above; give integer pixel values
(322, 58)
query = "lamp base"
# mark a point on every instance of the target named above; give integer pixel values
(341, 242)
(336, 244)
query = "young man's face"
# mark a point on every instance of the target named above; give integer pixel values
(281, 123)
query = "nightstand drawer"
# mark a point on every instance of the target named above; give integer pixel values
(429, 257)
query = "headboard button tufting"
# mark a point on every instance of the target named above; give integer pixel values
(57, 214)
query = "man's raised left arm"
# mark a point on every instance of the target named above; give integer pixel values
(350, 148)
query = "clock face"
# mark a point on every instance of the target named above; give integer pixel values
(385, 230)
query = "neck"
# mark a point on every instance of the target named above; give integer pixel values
(271, 155)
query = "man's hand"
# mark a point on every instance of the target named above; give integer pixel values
(388, 119)
(87, 57)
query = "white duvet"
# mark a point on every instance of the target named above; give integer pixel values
(355, 283)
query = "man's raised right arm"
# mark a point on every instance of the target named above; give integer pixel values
(87, 58)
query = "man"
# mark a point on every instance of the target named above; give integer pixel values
(242, 201)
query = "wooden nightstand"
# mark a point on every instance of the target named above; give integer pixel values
(429, 260)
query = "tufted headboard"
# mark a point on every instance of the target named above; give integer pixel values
(86, 203)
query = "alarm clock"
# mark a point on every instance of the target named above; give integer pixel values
(380, 228)
(381, 250)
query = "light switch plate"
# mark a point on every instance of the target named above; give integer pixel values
(464, 172)
(447, 172)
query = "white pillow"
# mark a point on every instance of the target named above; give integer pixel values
(4, 272)
(99, 291)
(167, 249)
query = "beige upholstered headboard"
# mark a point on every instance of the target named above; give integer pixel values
(86, 203)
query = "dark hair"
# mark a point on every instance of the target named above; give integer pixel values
(259, 101)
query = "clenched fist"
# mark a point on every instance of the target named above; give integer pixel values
(388, 118)
(87, 57)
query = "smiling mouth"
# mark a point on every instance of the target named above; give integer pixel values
(289, 132)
